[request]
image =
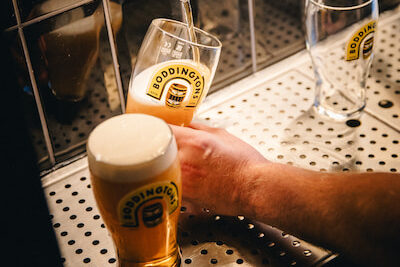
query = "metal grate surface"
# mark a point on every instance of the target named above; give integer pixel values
(272, 111)
(278, 34)
(204, 238)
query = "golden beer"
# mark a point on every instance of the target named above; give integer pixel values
(181, 117)
(173, 70)
(136, 182)
(171, 90)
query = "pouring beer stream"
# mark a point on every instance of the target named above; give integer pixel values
(188, 19)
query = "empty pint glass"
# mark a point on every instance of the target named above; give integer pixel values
(136, 181)
(340, 39)
(172, 73)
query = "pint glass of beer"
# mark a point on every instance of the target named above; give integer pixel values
(173, 72)
(136, 181)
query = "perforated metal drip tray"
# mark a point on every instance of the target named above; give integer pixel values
(271, 110)
(204, 239)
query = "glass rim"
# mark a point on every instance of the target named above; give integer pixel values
(218, 46)
(170, 145)
(344, 8)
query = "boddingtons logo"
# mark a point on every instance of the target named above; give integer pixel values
(361, 42)
(181, 81)
(176, 94)
(128, 207)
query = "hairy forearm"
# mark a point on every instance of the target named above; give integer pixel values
(352, 213)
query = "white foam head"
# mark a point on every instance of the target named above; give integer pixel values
(130, 147)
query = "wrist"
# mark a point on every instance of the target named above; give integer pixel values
(253, 189)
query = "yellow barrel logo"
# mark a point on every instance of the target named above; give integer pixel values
(152, 212)
(152, 215)
(367, 47)
(354, 47)
(176, 94)
(180, 81)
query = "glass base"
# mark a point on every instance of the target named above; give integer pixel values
(171, 261)
(338, 105)
(337, 115)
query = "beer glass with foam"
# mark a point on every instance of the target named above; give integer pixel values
(136, 181)
(173, 71)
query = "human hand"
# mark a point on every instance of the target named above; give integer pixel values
(215, 167)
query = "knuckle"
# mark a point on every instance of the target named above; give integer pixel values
(220, 130)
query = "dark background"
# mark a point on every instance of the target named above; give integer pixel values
(29, 238)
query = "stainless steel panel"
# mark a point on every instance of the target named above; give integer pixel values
(73, 70)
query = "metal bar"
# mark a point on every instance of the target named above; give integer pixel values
(382, 119)
(111, 40)
(36, 94)
(252, 35)
(48, 15)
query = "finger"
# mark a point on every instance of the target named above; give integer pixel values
(180, 130)
(182, 133)
(202, 127)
